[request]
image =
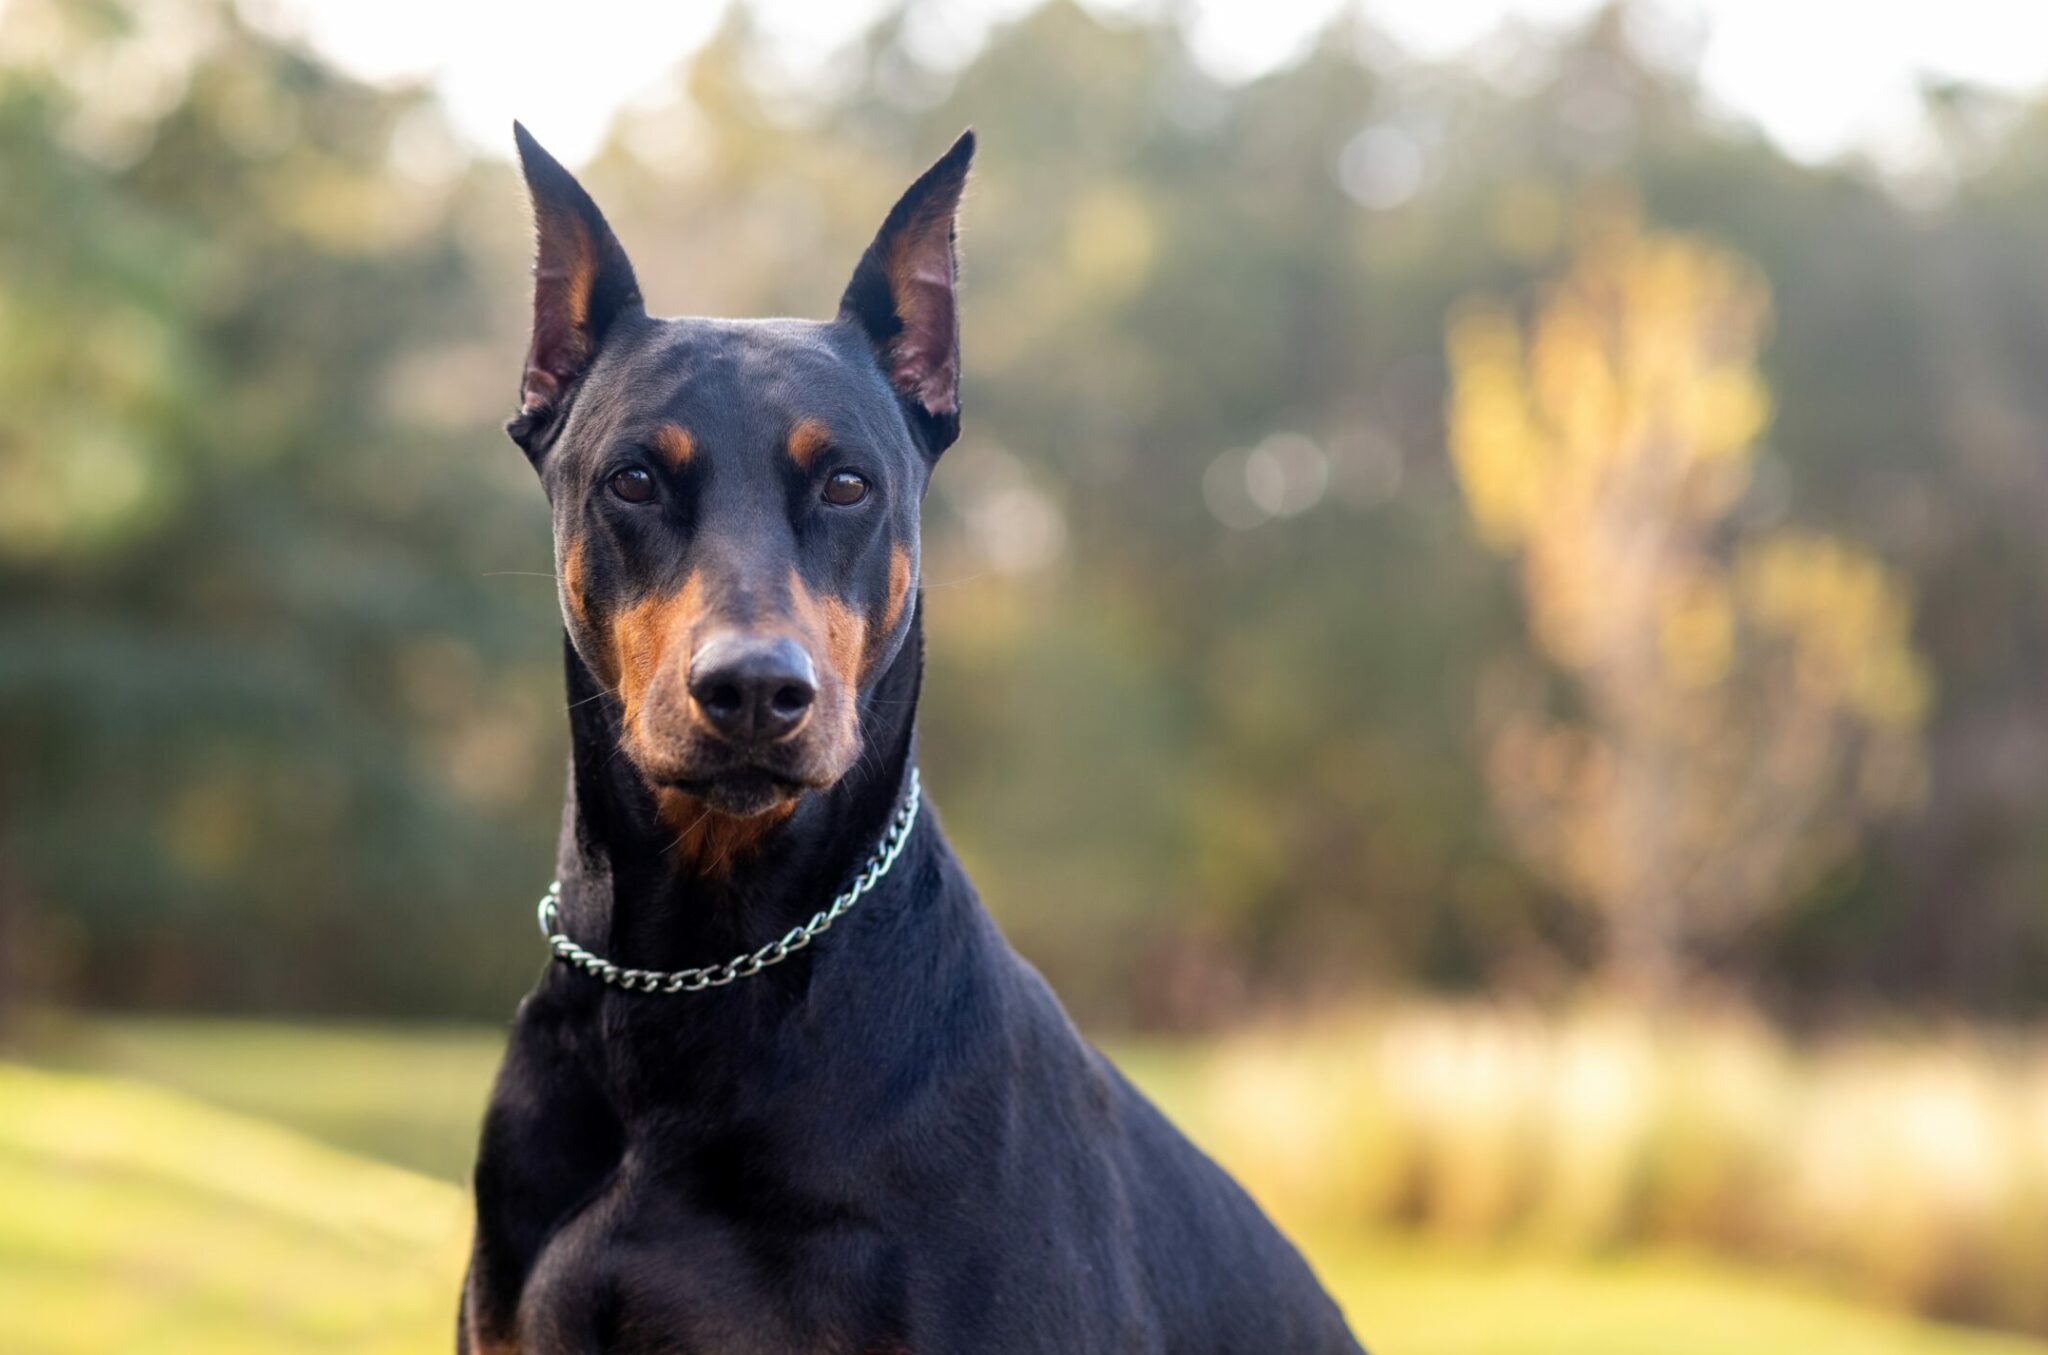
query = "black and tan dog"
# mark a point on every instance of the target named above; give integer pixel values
(893, 1143)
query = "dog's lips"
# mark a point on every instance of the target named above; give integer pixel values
(742, 791)
(732, 779)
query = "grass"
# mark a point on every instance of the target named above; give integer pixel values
(407, 1095)
(254, 1208)
(141, 1222)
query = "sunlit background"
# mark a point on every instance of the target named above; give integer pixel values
(1489, 625)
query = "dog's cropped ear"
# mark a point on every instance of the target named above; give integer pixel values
(902, 296)
(582, 282)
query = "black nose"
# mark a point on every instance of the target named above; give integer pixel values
(753, 689)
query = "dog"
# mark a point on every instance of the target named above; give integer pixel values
(783, 1086)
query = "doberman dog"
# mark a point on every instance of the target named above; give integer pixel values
(884, 1138)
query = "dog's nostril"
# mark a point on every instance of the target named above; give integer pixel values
(790, 698)
(722, 698)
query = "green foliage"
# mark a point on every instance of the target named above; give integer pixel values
(257, 686)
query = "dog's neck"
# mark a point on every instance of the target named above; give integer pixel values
(626, 893)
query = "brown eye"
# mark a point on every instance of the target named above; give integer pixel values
(845, 489)
(633, 484)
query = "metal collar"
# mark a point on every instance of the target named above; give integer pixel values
(754, 961)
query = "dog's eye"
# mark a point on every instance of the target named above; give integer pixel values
(845, 489)
(633, 484)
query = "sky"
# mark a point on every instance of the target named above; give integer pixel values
(1822, 77)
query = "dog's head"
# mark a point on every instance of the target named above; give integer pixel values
(736, 502)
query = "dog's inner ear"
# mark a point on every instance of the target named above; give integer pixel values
(582, 282)
(903, 296)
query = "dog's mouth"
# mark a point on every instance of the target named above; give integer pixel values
(739, 792)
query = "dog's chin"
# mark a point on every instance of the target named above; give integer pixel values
(740, 793)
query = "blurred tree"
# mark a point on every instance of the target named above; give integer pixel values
(1739, 703)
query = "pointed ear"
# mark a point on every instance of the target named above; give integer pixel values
(582, 282)
(902, 297)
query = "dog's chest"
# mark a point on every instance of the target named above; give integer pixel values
(648, 1270)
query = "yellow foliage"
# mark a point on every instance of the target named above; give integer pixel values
(1849, 620)
(1638, 366)
(1696, 630)
(1729, 693)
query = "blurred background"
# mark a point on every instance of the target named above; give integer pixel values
(1488, 627)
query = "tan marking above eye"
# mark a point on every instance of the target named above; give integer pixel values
(675, 444)
(806, 440)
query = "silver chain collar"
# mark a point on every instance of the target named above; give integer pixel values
(754, 961)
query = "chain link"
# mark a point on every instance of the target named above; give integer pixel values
(754, 961)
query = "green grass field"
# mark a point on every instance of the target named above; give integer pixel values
(221, 1187)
